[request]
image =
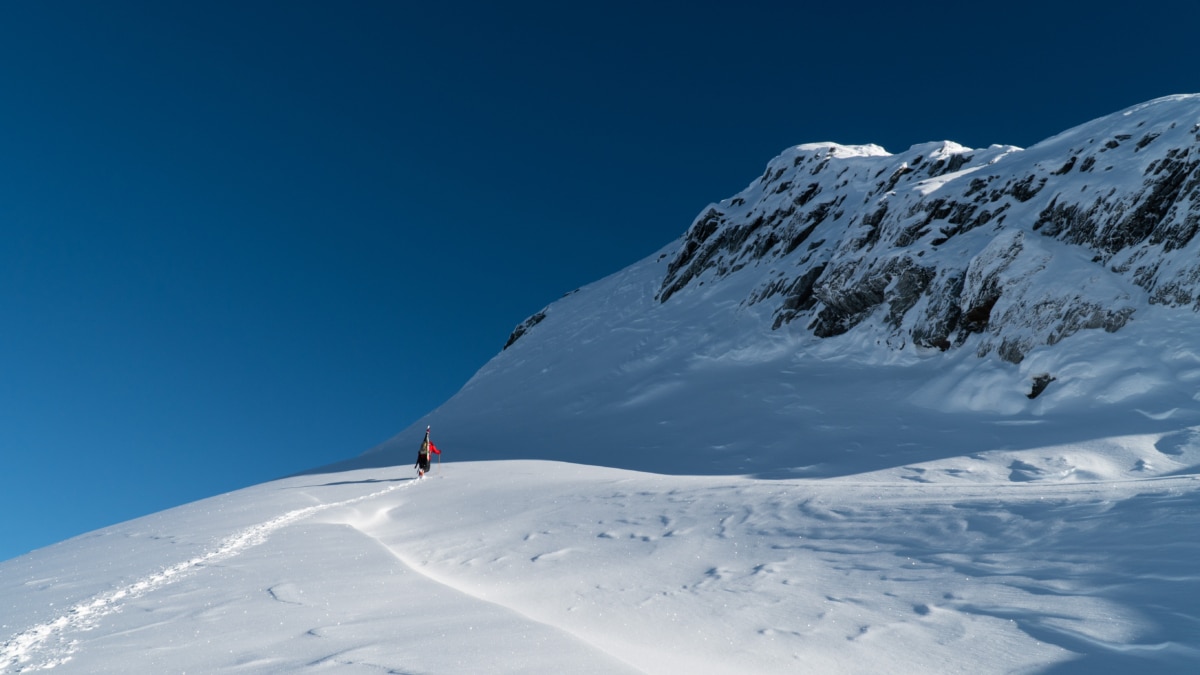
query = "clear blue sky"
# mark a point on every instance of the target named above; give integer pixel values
(243, 239)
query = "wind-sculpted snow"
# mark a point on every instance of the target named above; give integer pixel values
(1045, 560)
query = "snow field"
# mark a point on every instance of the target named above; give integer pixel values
(87, 614)
(541, 567)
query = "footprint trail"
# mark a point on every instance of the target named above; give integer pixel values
(47, 645)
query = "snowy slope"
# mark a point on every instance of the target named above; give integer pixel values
(564, 568)
(739, 348)
(899, 438)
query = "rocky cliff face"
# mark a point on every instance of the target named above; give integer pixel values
(941, 242)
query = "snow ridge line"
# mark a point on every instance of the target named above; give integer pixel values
(21, 648)
(446, 582)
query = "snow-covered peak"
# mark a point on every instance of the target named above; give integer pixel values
(840, 151)
(880, 237)
(981, 280)
(938, 149)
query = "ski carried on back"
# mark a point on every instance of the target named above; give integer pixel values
(427, 448)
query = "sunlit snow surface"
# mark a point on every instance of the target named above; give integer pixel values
(782, 504)
(894, 513)
(979, 564)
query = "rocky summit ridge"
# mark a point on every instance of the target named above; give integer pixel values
(1023, 247)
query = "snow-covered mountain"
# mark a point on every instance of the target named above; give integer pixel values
(982, 280)
(939, 243)
(926, 412)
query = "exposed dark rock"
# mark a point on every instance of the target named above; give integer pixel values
(692, 254)
(798, 297)
(1147, 215)
(940, 246)
(1025, 189)
(943, 314)
(1146, 140)
(945, 166)
(809, 192)
(524, 327)
(1040, 382)
(977, 185)
(896, 176)
(872, 221)
(909, 281)
(847, 306)
(977, 317)
(1066, 168)
(798, 238)
(1012, 349)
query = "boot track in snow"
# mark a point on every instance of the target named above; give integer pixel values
(46, 645)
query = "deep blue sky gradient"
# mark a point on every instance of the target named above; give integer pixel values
(243, 239)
